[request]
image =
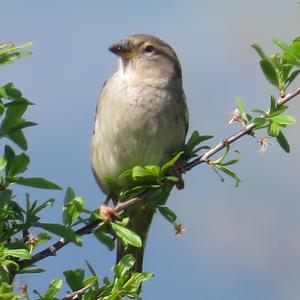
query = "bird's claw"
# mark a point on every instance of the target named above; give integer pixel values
(107, 213)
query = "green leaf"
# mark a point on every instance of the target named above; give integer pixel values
(286, 69)
(242, 109)
(12, 117)
(9, 155)
(19, 165)
(171, 162)
(295, 48)
(19, 101)
(9, 52)
(172, 178)
(134, 282)
(140, 172)
(10, 92)
(167, 213)
(127, 236)
(278, 111)
(257, 110)
(5, 197)
(269, 72)
(21, 125)
(54, 287)
(260, 51)
(38, 182)
(7, 292)
(19, 253)
(292, 77)
(273, 104)
(90, 280)
(155, 170)
(18, 138)
(69, 195)
(125, 174)
(282, 141)
(31, 271)
(105, 239)
(259, 122)
(205, 138)
(4, 275)
(3, 162)
(124, 265)
(229, 173)
(284, 119)
(61, 230)
(72, 210)
(45, 204)
(220, 160)
(192, 143)
(233, 161)
(282, 45)
(75, 278)
(273, 129)
(2, 108)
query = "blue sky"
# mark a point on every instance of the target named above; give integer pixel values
(240, 243)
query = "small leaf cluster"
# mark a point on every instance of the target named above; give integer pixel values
(274, 120)
(219, 165)
(16, 219)
(125, 283)
(10, 52)
(140, 179)
(281, 69)
(137, 180)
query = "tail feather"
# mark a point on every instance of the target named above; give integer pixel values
(140, 218)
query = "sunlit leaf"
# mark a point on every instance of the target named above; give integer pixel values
(38, 182)
(127, 235)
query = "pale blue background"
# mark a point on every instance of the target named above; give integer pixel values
(239, 243)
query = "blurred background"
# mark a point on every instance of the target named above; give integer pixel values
(240, 243)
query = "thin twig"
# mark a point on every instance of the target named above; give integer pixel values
(87, 229)
(246, 130)
(75, 294)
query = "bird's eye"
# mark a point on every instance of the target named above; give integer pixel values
(149, 49)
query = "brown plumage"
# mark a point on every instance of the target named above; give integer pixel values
(141, 119)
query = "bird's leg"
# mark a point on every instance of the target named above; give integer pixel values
(177, 170)
(106, 212)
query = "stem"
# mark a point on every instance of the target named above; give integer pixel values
(246, 130)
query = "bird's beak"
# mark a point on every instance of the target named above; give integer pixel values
(123, 50)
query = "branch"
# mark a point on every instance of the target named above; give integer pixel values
(76, 294)
(246, 130)
(87, 229)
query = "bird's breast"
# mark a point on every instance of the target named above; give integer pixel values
(135, 125)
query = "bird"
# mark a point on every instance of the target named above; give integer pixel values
(141, 119)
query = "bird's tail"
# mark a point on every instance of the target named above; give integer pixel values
(140, 218)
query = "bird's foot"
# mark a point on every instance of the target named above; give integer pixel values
(177, 170)
(106, 212)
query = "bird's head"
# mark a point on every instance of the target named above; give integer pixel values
(146, 57)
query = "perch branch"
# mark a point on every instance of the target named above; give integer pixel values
(87, 229)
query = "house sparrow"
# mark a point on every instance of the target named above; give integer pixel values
(141, 119)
